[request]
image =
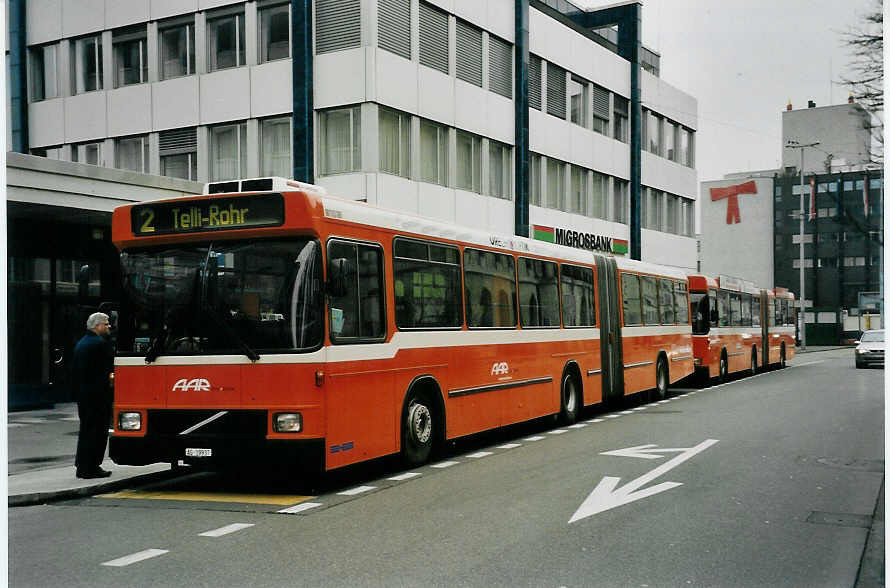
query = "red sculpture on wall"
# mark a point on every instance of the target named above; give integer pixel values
(732, 194)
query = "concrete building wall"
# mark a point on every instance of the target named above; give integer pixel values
(743, 249)
(842, 131)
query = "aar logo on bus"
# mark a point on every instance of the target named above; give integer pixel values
(195, 384)
(500, 368)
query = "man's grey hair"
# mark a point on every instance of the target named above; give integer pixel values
(95, 319)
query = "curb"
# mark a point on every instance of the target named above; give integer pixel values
(35, 498)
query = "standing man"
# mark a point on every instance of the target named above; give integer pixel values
(92, 365)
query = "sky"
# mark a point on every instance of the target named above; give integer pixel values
(743, 61)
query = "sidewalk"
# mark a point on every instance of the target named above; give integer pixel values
(41, 446)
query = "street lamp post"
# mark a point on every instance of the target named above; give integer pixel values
(803, 309)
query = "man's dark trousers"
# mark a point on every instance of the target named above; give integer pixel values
(92, 363)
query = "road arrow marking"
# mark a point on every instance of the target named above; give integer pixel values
(645, 451)
(608, 495)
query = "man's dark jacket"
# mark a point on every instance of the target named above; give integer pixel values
(93, 361)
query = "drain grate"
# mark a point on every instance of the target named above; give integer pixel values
(839, 519)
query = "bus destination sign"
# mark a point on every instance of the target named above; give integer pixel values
(211, 214)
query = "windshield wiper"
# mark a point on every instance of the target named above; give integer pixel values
(245, 348)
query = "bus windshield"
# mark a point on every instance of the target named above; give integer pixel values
(242, 297)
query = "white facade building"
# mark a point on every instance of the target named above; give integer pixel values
(413, 104)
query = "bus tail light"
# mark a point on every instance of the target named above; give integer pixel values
(287, 422)
(129, 421)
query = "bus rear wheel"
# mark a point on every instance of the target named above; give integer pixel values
(723, 374)
(418, 430)
(662, 380)
(570, 401)
(753, 361)
(782, 357)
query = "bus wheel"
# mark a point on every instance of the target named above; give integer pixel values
(782, 357)
(753, 360)
(662, 380)
(723, 374)
(569, 400)
(417, 430)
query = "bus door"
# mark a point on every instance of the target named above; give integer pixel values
(764, 329)
(610, 328)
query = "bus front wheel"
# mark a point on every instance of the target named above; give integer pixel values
(662, 379)
(418, 430)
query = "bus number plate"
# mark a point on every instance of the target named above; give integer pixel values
(198, 452)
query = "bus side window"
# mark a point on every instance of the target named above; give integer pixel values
(666, 302)
(630, 296)
(356, 312)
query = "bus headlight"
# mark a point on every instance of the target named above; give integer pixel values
(287, 422)
(129, 421)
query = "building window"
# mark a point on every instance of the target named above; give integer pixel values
(556, 183)
(433, 153)
(690, 217)
(274, 33)
(600, 110)
(225, 41)
(500, 67)
(671, 214)
(578, 101)
(130, 53)
(338, 25)
(394, 26)
(599, 196)
(90, 153)
(340, 138)
(827, 262)
(534, 179)
(499, 169)
(556, 90)
(620, 111)
(687, 148)
(534, 82)
(469, 53)
(177, 50)
(469, 162)
(433, 37)
(619, 201)
(131, 153)
(578, 195)
(44, 72)
(228, 152)
(178, 149)
(670, 140)
(275, 136)
(395, 142)
(653, 133)
(86, 64)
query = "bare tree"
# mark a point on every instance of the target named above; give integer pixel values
(866, 79)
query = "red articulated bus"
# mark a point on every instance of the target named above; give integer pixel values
(731, 320)
(267, 323)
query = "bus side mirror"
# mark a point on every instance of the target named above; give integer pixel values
(83, 282)
(338, 277)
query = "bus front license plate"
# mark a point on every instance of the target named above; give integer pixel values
(198, 452)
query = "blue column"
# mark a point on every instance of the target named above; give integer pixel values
(520, 106)
(301, 54)
(18, 78)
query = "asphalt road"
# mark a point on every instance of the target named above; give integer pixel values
(765, 481)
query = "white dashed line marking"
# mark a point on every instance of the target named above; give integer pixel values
(480, 454)
(136, 557)
(509, 446)
(577, 426)
(613, 416)
(304, 506)
(596, 421)
(225, 530)
(405, 476)
(535, 438)
(626, 412)
(444, 464)
(356, 490)
(557, 431)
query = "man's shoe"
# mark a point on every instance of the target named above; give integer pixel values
(97, 473)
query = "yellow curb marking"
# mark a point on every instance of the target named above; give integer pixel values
(277, 499)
